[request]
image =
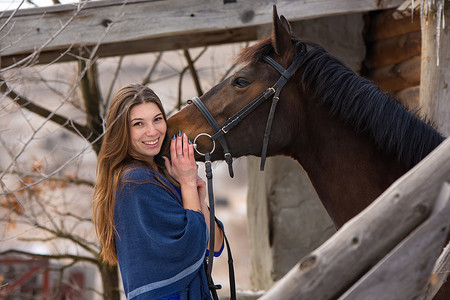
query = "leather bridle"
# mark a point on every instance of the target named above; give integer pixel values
(275, 90)
(219, 135)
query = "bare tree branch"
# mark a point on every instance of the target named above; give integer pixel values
(151, 70)
(181, 75)
(11, 16)
(51, 218)
(111, 86)
(92, 99)
(33, 56)
(193, 71)
(49, 256)
(65, 179)
(45, 113)
(76, 84)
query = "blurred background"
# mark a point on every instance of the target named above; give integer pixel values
(48, 246)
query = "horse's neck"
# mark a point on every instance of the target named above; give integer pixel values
(346, 169)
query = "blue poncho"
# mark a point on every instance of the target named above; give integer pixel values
(160, 245)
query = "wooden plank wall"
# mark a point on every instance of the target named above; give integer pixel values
(394, 54)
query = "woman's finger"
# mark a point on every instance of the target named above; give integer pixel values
(185, 146)
(179, 145)
(191, 150)
(173, 151)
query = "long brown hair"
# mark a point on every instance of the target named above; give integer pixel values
(115, 156)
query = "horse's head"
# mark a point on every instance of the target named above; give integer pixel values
(233, 94)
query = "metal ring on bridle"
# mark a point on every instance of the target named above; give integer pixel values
(213, 142)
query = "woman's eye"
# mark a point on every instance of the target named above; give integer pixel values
(158, 119)
(137, 124)
(240, 82)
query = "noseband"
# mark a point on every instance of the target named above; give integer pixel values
(219, 135)
(275, 90)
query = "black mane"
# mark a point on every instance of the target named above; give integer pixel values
(361, 104)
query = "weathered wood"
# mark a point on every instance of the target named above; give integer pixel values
(409, 97)
(332, 268)
(435, 91)
(145, 45)
(397, 77)
(393, 50)
(405, 272)
(115, 23)
(407, 9)
(384, 26)
(440, 274)
(434, 99)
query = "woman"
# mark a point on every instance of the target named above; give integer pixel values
(149, 211)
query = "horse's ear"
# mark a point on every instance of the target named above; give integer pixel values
(281, 33)
(286, 24)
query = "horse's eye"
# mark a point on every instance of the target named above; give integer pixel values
(240, 82)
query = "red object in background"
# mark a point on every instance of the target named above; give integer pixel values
(32, 268)
(31, 278)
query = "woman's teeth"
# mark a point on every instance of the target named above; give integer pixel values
(151, 142)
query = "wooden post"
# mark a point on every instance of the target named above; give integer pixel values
(435, 102)
(435, 79)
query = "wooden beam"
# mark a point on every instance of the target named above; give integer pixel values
(145, 24)
(405, 271)
(155, 44)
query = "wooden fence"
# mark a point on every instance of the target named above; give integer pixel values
(389, 248)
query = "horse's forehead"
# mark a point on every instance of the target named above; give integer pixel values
(257, 71)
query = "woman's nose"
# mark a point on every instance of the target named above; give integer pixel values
(150, 130)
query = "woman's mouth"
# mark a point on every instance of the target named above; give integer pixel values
(151, 143)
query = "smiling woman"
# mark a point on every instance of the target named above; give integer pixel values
(147, 130)
(149, 211)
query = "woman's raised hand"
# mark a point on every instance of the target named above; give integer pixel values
(182, 166)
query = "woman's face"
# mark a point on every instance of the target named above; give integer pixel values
(147, 129)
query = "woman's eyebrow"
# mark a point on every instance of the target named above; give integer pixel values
(140, 119)
(136, 119)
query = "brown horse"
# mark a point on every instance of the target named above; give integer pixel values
(352, 139)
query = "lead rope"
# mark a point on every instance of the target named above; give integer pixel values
(275, 100)
(209, 260)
